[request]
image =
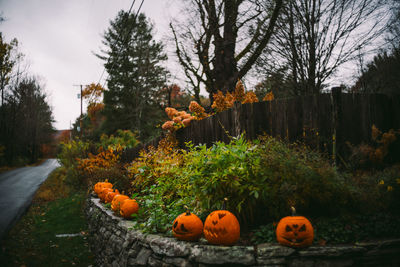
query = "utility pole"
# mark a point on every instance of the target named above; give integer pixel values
(80, 118)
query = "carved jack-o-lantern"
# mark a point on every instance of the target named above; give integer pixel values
(100, 185)
(187, 226)
(110, 196)
(221, 228)
(128, 207)
(117, 201)
(104, 192)
(295, 231)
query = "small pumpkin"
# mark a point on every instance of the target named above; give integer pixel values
(128, 207)
(295, 231)
(103, 193)
(110, 196)
(116, 202)
(221, 228)
(100, 185)
(187, 226)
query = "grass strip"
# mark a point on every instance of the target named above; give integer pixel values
(55, 210)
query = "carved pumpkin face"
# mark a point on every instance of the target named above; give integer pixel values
(128, 207)
(295, 231)
(116, 202)
(100, 185)
(187, 226)
(110, 196)
(103, 193)
(221, 228)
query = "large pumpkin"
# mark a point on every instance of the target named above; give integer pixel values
(128, 207)
(187, 226)
(116, 202)
(110, 196)
(221, 228)
(104, 192)
(295, 231)
(100, 185)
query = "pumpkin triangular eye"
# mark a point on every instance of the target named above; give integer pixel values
(183, 228)
(288, 229)
(303, 228)
(221, 215)
(175, 224)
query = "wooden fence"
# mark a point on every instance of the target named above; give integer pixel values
(325, 121)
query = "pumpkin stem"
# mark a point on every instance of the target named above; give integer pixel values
(293, 211)
(224, 203)
(187, 210)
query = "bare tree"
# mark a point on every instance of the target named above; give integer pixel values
(214, 47)
(394, 22)
(315, 37)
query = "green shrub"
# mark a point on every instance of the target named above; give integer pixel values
(155, 214)
(67, 156)
(261, 179)
(295, 175)
(223, 170)
(124, 138)
(378, 190)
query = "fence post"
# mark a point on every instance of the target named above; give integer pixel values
(236, 117)
(336, 93)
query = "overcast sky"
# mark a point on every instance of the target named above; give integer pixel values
(58, 38)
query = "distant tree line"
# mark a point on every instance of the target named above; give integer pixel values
(25, 116)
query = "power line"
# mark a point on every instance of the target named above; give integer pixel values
(125, 41)
(104, 69)
(128, 36)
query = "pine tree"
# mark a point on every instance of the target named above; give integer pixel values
(133, 61)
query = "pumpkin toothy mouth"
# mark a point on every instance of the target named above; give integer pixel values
(295, 241)
(215, 232)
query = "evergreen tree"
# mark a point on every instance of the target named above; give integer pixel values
(133, 61)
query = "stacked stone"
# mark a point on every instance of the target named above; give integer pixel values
(115, 243)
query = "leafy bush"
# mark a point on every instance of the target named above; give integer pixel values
(69, 152)
(123, 138)
(261, 179)
(377, 191)
(297, 176)
(87, 164)
(156, 214)
(382, 150)
(224, 170)
(156, 165)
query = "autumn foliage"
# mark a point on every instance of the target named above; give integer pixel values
(179, 119)
(105, 158)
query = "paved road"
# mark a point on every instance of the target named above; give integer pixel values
(17, 188)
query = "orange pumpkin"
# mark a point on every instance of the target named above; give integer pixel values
(128, 207)
(187, 226)
(103, 193)
(110, 196)
(100, 185)
(295, 231)
(116, 202)
(221, 228)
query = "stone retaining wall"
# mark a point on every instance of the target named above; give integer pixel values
(114, 243)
